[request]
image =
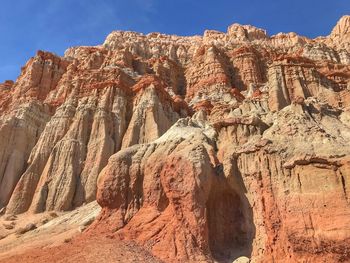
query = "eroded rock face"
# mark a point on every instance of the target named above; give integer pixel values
(228, 146)
(237, 186)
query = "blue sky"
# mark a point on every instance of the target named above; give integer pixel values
(55, 25)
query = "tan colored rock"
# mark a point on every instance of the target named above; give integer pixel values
(209, 76)
(247, 67)
(19, 132)
(151, 118)
(246, 32)
(225, 147)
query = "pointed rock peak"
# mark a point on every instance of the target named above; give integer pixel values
(246, 32)
(342, 27)
(7, 84)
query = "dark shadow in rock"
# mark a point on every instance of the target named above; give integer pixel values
(230, 220)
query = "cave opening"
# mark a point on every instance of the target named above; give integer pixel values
(230, 223)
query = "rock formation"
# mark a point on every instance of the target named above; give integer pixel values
(208, 148)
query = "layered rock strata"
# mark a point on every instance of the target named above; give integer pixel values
(207, 148)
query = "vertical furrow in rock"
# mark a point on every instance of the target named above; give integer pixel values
(150, 119)
(54, 131)
(226, 147)
(19, 133)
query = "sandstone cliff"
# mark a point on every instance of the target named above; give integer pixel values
(221, 147)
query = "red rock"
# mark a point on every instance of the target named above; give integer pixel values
(231, 146)
(237, 94)
(204, 105)
(257, 93)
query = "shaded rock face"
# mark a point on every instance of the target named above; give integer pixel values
(228, 146)
(172, 196)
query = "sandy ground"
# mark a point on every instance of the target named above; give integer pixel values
(88, 250)
(62, 237)
(57, 237)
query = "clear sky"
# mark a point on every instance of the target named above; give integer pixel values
(55, 25)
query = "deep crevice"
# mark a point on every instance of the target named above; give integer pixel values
(344, 186)
(230, 222)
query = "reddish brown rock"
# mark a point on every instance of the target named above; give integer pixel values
(214, 148)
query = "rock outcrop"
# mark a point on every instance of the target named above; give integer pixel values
(214, 148)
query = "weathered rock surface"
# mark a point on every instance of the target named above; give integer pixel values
(221, 147)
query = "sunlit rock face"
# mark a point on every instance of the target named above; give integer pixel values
(221, 147)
